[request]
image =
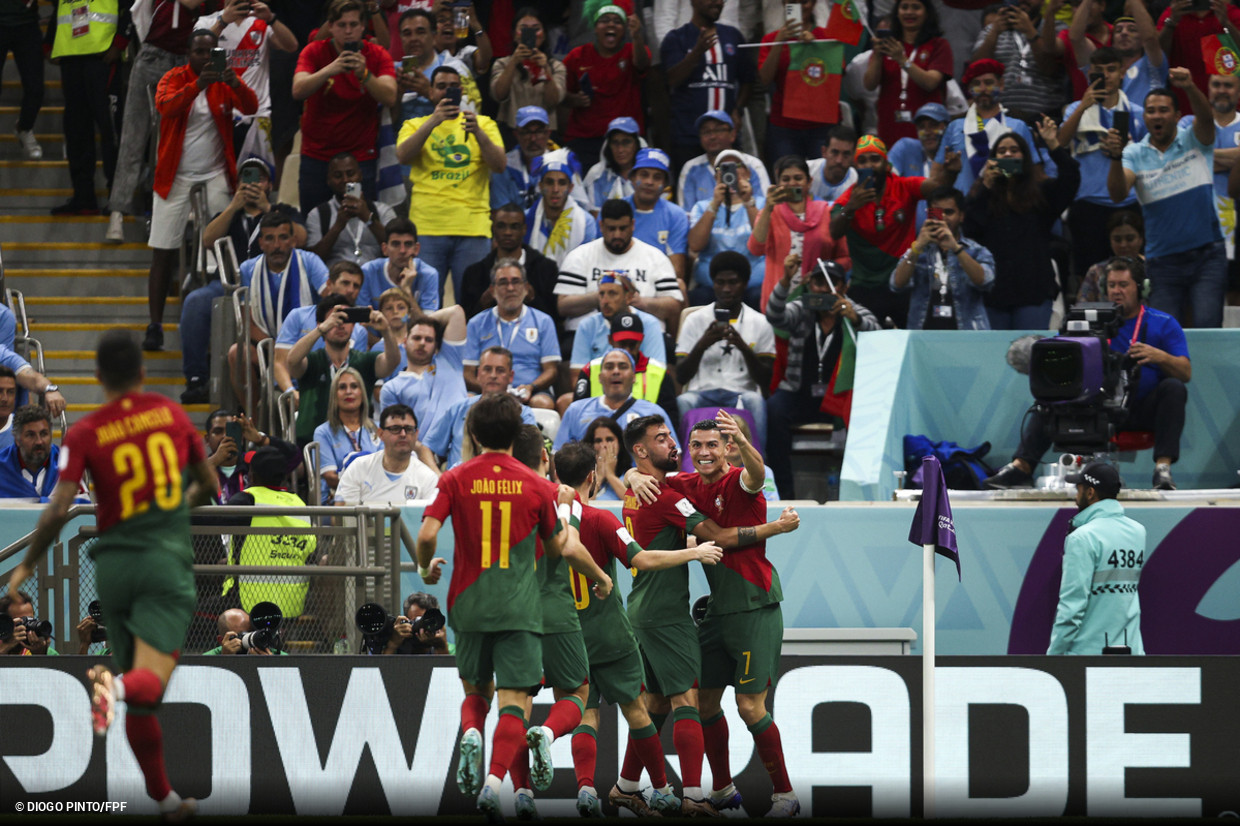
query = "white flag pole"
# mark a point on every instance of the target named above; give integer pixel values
(927, 679)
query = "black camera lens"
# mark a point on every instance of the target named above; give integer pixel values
(372, 620)
(95, 610)
(430, 623)
(266, 615)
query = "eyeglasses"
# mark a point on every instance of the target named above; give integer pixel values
(398, 429)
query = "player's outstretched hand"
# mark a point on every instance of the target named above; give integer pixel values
(708, 553)
(602, 587)
(436, 570)
(644, 487)
(788, 521)
(728, 427)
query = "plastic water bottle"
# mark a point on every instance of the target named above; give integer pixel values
(342, 645)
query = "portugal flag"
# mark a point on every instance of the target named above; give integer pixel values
(1220, 54)
(838, 400)
(844, 24)
(812, 89)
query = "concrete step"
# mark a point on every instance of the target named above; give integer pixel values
(121, 309)
(45, 174)
(69, 255)
(53, 91)
(79, 335)
(23, 200)
(50, 118)
(82, 362)
(32, 228)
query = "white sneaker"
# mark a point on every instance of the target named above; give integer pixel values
(30, 146)
(116, 228)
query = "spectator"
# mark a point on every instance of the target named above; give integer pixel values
(348, 429)
(1156, 342)
(29, 467)
(1224, 92)
(815, 340)
(20, 34)
(711, 233)
(195, 146)
(1134, 37)
(405, 641)
(791, 221)
(400, 267)
(348, 226)
(658, 222)
(314, 368)
(607, 439)
(417, 29)
(647, 268)
(508, 230)
(717, 135)
(593, 336)
(1085, 124)
(432, 381)
(232, 625)
(341, 78)
(910, 66)
(617, 402)
(649, 375)
(726, 363)
(915, 156)
(164, 48)
(526, 160)
(878, 218)
(528, 334)
(604, 80)
(1011, 213)
(706, 72)
(946, 273)
(240, 220)
(1182, 26)
(228, 458)
(8, 401)
(1186, 256)
(609, 178)
(832, 174)
(475, 57)
(1071, 47)
(557, 223)
(451, 155)
(397, 307)
(445, 436)
(784, 135)
(29, 380)
(1030, 77)
(530, 76)
(1126, 234)
(393, 475)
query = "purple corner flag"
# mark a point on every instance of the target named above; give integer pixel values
(932, 524)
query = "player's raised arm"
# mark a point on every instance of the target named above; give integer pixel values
(48, 528)
(739, 537)
(708, 553)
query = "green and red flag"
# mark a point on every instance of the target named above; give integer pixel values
(838, 399)
(1220, 54)
(844, 24)
(815, 74)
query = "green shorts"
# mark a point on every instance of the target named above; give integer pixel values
(513, 658)
(146, 594)
(564, 662)
(618, 681)
(671, 657)
(742, 649)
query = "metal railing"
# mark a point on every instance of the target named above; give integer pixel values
(310, 463)
(195, 251)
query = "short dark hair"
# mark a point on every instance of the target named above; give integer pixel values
(7, 373)
(274, 218)
(947, 193)
(527, 447)
(1105, 56)
(441, 69)
(344, 156)
(326, 305)
(789, 161)
(333, 275)
(730, 261)
(1162, 91)
(15, 598)
(401, 225)
(339, 8)
(635, 430)
(499, 351)
(433, 323)
(1133, 265)
(842, 132)
(216, 414)
(573, 463)
(421, 599)
(494, 420)
(411, 13)
(118, 359)
(614, 209)
(394, 410)
(511, 206)
(197, 33)
(28, 413)
(709, 424)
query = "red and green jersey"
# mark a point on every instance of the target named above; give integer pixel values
(559, 609)
(498, 508)
(875, 252)
(603, 622)
(136, 449)
(660, 597)
(745, 579)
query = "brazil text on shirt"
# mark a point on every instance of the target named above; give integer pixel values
(440, 175)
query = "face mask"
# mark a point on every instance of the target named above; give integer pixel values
(228, 470)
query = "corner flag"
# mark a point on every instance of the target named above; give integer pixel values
(932, 524)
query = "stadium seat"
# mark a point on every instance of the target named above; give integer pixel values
(548, 421)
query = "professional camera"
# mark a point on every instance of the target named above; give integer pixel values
(728, 174)
(95, 610)
(266, 617)
(33, 625)
(376, 625)
(1079, 382)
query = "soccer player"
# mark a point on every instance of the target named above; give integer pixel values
(615, 662)
(659, 605)
(137, 448)
(743, 630)
(498, 506)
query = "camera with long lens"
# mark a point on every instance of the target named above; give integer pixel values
(33, 625)
(376, 625)
(1079, 382)
(266, 617)
(95, 611)
(728, 175)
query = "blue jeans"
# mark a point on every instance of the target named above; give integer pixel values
(751, 402)
(804, 143)
(312, 188)
(1200, 275)
(1031, 317)
(455, 253)
(196, 331)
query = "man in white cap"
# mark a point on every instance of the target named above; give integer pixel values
(716, 134)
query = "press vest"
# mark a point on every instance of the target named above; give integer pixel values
(646, 384)
(286, 591)
(84, 27)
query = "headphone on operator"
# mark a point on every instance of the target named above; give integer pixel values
(1134, 265)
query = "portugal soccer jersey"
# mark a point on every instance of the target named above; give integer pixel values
(558, 607)
(604, 623)
(660, 597)
(498, 507)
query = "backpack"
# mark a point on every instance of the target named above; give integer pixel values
(963, 468)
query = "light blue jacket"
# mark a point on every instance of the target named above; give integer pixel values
(966, 296)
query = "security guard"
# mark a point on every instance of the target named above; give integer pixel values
(1102, 559)
(85, 43)
(627, 333)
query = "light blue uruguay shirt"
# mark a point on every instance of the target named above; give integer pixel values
(446, 434)
(1176, 192)
(375, 281)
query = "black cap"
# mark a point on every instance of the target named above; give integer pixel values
(1100, 476)
(627, 327)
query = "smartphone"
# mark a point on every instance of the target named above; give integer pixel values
(883, 31)
(792, 12)
(232, 430)
(1010, 166)
(219, 60)
(1119, 122)
(865, 177)
(585, 86)
(529, 37)
(408, 65)
(453, 95)
(353, 46)
(357, 315)
(723, 315)
(250, 175)
(1200, 5)
(934, 214)
(817, 302)
(796, 194)
(1011, 4)
(1097, 79)
(353, 188)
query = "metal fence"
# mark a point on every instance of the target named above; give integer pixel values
(352, 556)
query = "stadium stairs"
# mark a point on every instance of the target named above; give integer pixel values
(75, 285)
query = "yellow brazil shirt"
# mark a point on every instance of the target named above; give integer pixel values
(451, 182)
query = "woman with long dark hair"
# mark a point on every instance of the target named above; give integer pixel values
(910, 65)
(604, 435)
(1010, 211)
(529, 76)
(1126, 235)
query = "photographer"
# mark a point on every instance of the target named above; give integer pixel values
(1157, 397)
(409, 636)
(234, 624)
(90, 630)
(20, 633)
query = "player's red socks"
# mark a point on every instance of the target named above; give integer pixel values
(142, 694)
(509, 740)
(771, 750)
(520, 768)
(564, 716)
(645, 744)
(687, 737)
(474, 712)
(585, 755)
(715, 737)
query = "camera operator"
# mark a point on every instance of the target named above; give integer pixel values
(1157, 399)
(233, 624)
(23, 637)
(90, 629)
(406, 640)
